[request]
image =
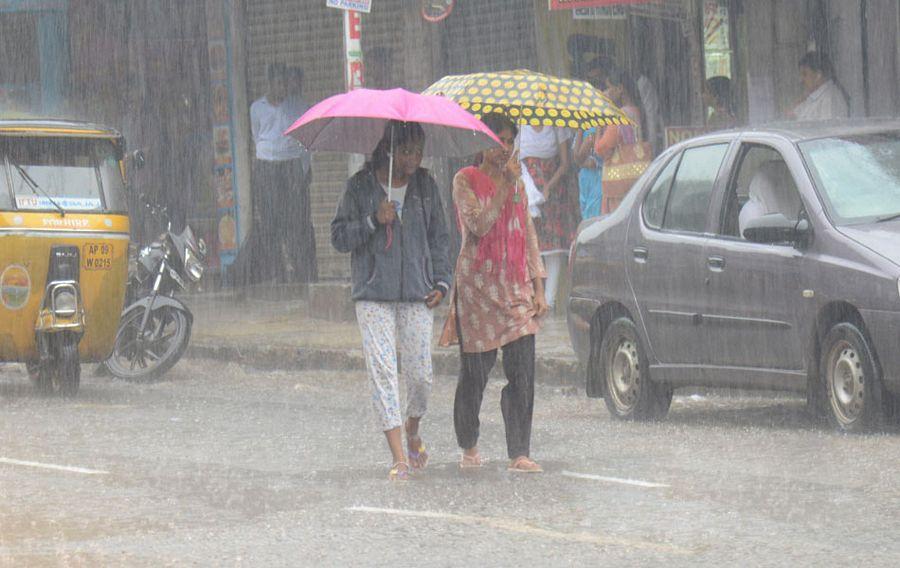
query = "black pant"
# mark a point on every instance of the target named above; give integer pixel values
(516, 400)
(282, 244)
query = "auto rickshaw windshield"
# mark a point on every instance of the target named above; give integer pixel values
(47, 173)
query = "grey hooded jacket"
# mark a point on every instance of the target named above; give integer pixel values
(417, 261)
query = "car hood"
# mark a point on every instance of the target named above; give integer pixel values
(881, 238)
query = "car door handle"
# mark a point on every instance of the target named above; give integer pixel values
(641, 254)
(715, 263)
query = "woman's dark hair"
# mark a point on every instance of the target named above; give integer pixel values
(497, 123)
(618, 76)
(404, 132)
(602, 64)
(818, 62)
(720, 88)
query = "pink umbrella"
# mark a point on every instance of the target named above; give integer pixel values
(355, 121)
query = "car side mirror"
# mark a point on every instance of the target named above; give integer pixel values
(775, 228)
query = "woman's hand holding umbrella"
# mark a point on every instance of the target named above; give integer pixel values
(386, 214)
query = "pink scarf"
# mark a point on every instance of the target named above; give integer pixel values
(507, 235)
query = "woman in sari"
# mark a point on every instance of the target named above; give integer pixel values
(497, 298)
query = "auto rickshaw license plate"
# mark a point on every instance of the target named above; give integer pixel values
(97, 256)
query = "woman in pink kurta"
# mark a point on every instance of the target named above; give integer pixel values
(497, 297)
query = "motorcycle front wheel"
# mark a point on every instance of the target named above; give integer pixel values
(164, 342)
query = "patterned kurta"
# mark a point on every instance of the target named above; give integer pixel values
(493, 309)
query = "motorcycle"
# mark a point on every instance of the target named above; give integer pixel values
(155, 327)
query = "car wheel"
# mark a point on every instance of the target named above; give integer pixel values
(853, 392)
(628, 391)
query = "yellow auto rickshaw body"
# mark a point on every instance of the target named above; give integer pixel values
(61, 190)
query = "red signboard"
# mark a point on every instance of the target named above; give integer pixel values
(572, 4)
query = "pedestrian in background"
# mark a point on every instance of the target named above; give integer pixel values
(823, 97)
(400, 269)
(545, 154)
(625, 154)
(282, 243)
(718, 100)
(589, 163)
(498, 297)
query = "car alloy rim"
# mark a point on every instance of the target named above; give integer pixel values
(624, 375)
(846, 382)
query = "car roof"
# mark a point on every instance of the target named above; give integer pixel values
(55, 127)
(801, 131)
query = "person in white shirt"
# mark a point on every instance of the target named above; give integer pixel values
(282, 245)
(545, 155)
(823, 98)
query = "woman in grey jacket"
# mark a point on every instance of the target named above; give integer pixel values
(400, 269)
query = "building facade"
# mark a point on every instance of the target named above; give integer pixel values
(177, 77)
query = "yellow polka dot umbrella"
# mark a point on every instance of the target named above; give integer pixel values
(531, 98)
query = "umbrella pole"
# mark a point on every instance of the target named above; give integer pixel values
(391, 165)
(390, 229)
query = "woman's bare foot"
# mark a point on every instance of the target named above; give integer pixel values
(524, 464)
(418, 457)
(399, 472)
(470, 458)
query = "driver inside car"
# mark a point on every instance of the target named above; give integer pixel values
(772, 190)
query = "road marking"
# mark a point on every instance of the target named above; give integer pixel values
(512, 525)
(635, 482)
(67, 468)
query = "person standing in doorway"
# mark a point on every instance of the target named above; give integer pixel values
(283, 244)
(823, 98)
(718, 100)
(497, 299)
(397, 238)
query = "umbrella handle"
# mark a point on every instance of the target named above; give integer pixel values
(390, 237)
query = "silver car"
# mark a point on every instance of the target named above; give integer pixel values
(761, 258)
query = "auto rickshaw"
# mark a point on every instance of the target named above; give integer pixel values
(64, 236)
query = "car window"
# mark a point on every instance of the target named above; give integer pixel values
(655, 201)
(752, 156)
(689, 197)
(763, 185)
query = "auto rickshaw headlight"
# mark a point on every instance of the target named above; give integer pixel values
(65, 300)
(192, 265)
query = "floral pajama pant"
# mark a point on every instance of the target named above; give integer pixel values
(397, 344)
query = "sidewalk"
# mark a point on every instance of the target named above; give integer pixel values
(281, 335)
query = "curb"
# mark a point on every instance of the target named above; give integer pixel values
(554, 371)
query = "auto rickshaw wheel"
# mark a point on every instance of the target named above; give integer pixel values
(61, 375)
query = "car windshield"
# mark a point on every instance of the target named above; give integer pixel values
(857, 176)
(67, 173)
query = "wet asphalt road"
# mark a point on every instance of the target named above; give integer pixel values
(223, 465)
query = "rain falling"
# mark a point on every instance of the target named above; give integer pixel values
(503, 282)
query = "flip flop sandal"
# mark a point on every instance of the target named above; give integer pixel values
(418, 459)
(399, 472)
(523, 464)
(470, 462)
